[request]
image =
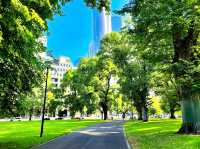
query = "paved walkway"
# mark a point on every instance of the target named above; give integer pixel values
(101, 136)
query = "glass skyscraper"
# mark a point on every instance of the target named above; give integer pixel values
(101, 23)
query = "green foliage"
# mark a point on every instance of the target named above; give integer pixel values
(165, 86)
(86, 70)
(132, 67)
(117, 46)
(22, 22)
(78, 87)
(99, 4)
(90, 87)
(155, 107)
(55, 100)
(105, 85)
(70, 87)
(167, 34)
(32, 103)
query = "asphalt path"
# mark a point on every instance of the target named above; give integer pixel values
(101, 136)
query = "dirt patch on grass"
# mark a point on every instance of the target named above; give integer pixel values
(133, 142)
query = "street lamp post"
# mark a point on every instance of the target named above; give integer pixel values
(45, 97)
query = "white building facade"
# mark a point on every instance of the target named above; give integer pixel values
(59, 68)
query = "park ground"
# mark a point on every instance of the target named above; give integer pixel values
(155, 134)
(23, 135)
(159, 134)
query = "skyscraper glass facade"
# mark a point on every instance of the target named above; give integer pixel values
(101, 23)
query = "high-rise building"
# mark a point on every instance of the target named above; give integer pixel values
(101, 22)
(59, 68)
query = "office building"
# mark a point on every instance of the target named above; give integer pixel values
(59, 68)
(101, 23)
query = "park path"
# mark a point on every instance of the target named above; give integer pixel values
(101, 136)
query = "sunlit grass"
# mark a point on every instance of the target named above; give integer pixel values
(159, 134)
(23, 135)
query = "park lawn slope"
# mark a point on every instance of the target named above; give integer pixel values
(23, 135)
(159, 134)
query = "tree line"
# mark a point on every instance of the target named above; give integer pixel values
(157, 51)
(167, 35)
(22, 22)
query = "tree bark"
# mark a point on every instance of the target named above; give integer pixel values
(139, 111)
(105, 113)
(172, 113)
(132, 115)
(105, 110)
(102, 115)
(190, 116)
(145, 114)
(143, 96)
(104, 103)
(30, 114)
(183, 50)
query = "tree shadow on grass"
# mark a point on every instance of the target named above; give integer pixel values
(9, 145)
(160, 134)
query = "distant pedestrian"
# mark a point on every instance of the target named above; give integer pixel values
(123, 115)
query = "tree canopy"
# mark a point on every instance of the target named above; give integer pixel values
(167, 33)
(22, 22)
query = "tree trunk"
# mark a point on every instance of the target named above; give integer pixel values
(139, 111)
(132, 115)
(30, 114)
(190, 116)
(184, 50)
(102, 115)
(172, 111)
(105, 113)
(145, 114)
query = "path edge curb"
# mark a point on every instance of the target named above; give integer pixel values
(126, 138)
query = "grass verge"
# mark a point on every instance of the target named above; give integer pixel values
(159, 134)
(23, 135)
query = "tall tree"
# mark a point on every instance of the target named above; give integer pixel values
(168, 32)
(70, 85)
(133, 69)
(104, 75)
(86, 70)
(56, 101)
(90, 86)
(135, 86)
(165, 86)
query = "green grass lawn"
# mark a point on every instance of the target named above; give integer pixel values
(23, 135)
(159, 134)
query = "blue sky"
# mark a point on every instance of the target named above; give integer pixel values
(71, 34)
